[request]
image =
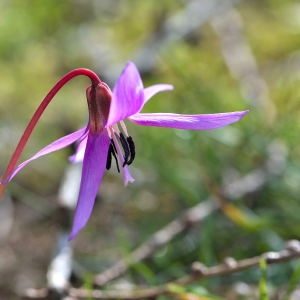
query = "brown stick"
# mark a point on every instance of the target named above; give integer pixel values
(189, 218)
(199, 272)
(237, 189)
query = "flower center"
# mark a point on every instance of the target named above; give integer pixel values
(119, 138)
(121, 147)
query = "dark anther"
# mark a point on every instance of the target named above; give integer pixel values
(125, 148)
(132, 150)
(112, 152)
(108, 161)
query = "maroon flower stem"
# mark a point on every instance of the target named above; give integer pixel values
(38, 113)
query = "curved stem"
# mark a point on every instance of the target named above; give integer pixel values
(38, 113)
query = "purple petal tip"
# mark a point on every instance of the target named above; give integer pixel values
(71, 236)
(245, 112)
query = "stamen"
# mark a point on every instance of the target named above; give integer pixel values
(113, 151)
(115, 129)
(109, 157)
(125, 148)
(132, 150)
(124, 128)
(118, 137)
(118, 151)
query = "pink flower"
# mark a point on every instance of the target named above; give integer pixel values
(106, 135)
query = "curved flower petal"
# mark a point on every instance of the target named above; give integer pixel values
(128, 95)
(190, 122)
(78, 156)
(150, 91)
(93, 168)
(55, 146)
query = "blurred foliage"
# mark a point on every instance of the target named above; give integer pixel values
(42, 40)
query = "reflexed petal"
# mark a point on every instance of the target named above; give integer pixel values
(150, 91)
(80, 150)
(55, 146)
(192, 122)
(128, 95)
(94, 165)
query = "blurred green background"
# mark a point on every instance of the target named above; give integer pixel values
(220, 56)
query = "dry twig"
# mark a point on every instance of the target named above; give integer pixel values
(238, 188)
(199, 272)
(189, 218)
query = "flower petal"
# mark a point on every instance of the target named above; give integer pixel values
(80, 150)
(55, 146)
(190, 122)
(93, 168)
(128, 95)
(150, 91)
